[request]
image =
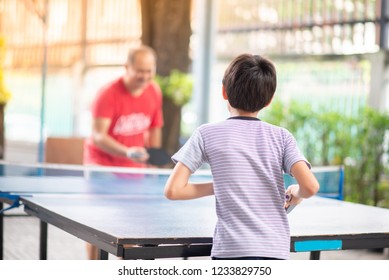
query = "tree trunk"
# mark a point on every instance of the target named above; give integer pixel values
(171, 132)
(166, 28)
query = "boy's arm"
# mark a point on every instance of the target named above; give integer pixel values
(179, 187)
(307, 184)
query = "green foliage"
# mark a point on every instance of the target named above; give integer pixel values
(370, 156)
(178, 87)
(330, 138)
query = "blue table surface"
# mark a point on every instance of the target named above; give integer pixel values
(315, 216)
(133, 210)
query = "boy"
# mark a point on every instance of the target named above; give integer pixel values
(247, 158)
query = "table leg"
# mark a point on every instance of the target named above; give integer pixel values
(1, 231)
(103, 255)
(315, 255)
(43, 241)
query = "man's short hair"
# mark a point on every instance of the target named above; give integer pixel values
(141, 49)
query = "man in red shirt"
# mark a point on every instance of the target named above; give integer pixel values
(127, 118)
(127, 115)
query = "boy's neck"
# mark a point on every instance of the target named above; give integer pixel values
(240, 113)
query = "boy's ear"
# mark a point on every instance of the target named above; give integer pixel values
(269, 102)
(224, 93)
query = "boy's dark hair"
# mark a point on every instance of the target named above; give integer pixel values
(250, 82)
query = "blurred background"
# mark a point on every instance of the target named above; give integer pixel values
(331, 58)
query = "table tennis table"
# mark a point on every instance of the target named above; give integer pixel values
(119, 212)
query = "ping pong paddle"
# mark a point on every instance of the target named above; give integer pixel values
(288, 198)
(158, 157)
(290, 208)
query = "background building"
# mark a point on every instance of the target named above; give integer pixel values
(59, 52)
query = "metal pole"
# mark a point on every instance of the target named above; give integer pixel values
(203, 65)
(41, 149)
(383, 25)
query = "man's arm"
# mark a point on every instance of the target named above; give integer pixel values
(178, 186)
(109, 145)
(155, 137)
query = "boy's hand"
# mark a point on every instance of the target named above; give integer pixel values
(291, 197)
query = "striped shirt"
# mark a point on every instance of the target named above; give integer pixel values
(247, 159)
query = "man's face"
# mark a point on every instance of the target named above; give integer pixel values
(141, 71)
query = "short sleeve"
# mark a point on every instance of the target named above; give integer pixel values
(157, 119)
(103, 105)
(192, 153)
(292, 153)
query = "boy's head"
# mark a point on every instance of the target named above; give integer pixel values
(250, 82)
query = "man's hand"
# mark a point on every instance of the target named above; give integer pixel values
(137, 154)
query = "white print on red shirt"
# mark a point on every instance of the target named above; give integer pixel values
(131, 124)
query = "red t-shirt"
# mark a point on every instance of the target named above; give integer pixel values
(131, 117)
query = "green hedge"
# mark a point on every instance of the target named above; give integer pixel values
(360, 143)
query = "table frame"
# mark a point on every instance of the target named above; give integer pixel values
(186, 247)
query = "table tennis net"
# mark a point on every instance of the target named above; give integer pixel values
(331, 178)
(74, 170)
